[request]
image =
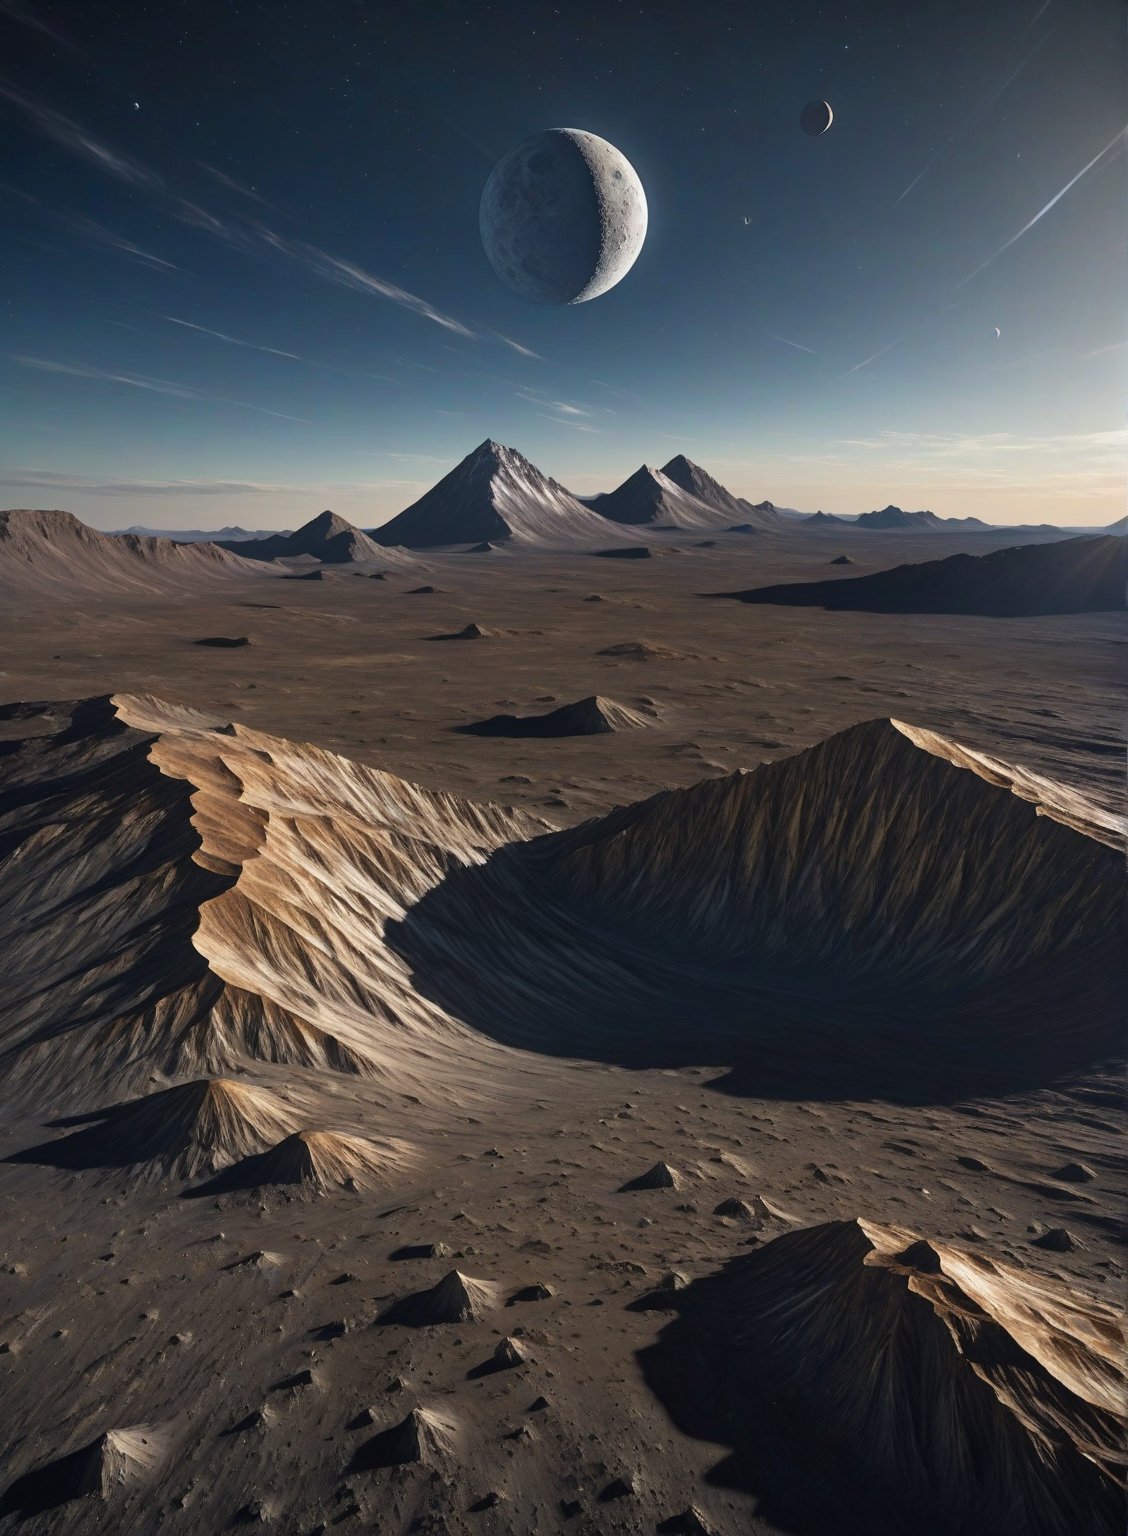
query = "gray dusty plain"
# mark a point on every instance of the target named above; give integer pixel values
(233, 1348)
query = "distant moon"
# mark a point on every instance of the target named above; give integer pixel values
(815, 118)
(563, 217)
(998, 333)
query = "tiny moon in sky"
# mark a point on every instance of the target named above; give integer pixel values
(815, 118)
(563, 217)
(998, 333)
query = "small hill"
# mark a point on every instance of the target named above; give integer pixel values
(316, 1160)
(919, 1376)
(594, 716)
(457, 1298)
(117, 1461)
(494, 495)
(190, 1129)
(51, 553)
(470, 632)
(1072, 576)
(425, 1436)
(699, 483)
(327, 538)
(824, 520)
(648, 498)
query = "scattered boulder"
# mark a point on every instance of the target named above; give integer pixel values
(471, 632)
(506, 1357)
(842, 560)
(641, 650)
(1057, 1240)
(1074, 1173)
(691, 1522)
(420, 1251)
(538, 1291)
(663, 1298)
(661, 1176)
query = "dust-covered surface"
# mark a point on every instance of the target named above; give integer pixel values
(325, 1067)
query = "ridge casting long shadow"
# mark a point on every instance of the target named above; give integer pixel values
(507, 950)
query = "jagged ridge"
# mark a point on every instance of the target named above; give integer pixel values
(949, 1392)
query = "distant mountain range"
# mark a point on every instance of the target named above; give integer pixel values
(232, 534)
(495, 495)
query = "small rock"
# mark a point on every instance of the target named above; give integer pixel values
(1057, 1240)
(1074, 1173)
(538, 1291)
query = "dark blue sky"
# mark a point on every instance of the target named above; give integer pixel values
(304, 179)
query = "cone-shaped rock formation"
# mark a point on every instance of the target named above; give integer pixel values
(426, 1435)
(927, 1388)
(318, 1161)
(494, 494)
(189, 1129)
(457, 1298)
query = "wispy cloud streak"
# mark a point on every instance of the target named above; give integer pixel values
(232, 185)
(252, 238)
(1109, 148)
(978, 112)
(234, 341)
(857, 368)
(53, 125)
(798, 345)
(142, 382)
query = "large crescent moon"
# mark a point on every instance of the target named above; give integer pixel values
(563, 217)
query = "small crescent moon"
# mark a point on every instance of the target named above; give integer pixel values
(998, 333)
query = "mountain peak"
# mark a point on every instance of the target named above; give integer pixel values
(695, 481)
(494, 494)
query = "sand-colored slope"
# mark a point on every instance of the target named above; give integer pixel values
(52, 553)
(884, 912)
(182, 896)
(190, 1129)
(887, 909)
(318, 1161)
(912, 1385)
